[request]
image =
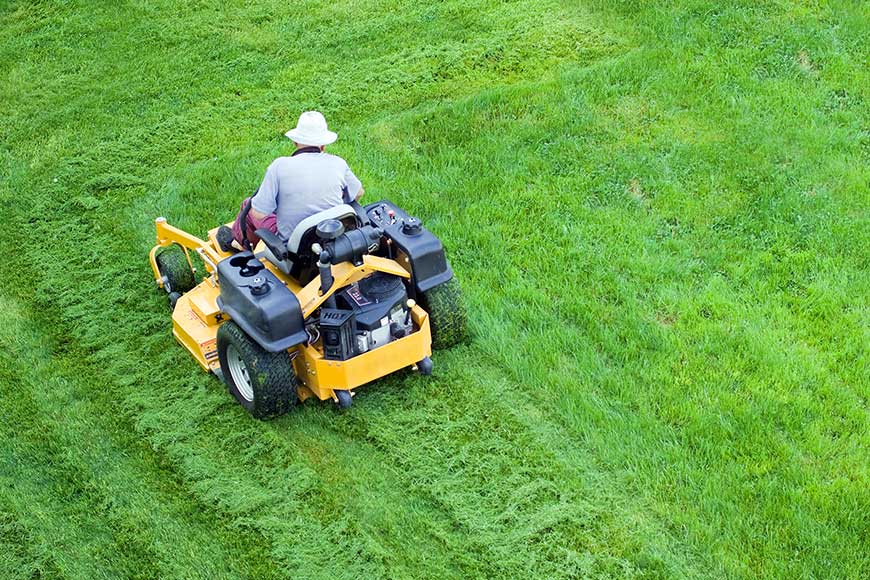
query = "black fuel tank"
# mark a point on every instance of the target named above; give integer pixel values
(424, 250)
(260, 303)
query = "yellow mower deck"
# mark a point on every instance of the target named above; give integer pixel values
(197, 317)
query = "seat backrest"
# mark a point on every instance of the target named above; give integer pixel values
(338, 212)
(302, 264)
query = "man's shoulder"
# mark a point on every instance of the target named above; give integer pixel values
(334, 158)
(299, 161)
(279, 162)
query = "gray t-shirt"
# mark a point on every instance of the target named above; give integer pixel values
(302, 185)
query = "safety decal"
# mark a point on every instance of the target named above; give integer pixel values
(357, 296)
(209, 347)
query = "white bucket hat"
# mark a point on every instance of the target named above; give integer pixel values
(312, 130)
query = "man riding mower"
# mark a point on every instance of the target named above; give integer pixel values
(351, 294)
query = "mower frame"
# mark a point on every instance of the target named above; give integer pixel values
(196, 318)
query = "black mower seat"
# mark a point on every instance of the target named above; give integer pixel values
(338, 212)
(300, 260)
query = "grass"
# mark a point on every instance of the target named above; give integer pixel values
(659, 215)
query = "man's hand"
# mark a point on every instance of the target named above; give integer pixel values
(360, 194)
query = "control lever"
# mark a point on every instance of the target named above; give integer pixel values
(275, 244)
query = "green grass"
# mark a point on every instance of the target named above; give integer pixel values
(660, 216)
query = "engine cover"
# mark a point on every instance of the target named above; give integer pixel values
(370, 314)
(336, 328)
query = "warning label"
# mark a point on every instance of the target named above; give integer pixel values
(209, 349)
(357, 296)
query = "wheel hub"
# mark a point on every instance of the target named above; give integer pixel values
(239, 372)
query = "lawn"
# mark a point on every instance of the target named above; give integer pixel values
(660, 217)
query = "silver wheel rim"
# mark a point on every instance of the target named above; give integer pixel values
(239, 372)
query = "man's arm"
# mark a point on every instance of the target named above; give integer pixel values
(265, 201)
(354, 186)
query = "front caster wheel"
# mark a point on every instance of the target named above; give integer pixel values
(425, 366)
(345, 400)
(175, 269)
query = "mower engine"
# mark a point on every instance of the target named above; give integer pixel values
(367, 315)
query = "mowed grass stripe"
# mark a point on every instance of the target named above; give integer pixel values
(85, 450)
(284, 486)
(57, 534)
(61, 528)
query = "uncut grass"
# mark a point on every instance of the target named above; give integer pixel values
(667, 376)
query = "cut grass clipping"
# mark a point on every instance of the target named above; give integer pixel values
(658, 214)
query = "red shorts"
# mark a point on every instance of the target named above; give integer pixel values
(270, 222)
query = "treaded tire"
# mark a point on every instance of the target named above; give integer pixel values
(447, 316)
(272, 379)
(172, 263)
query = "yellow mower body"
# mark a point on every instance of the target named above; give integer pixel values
(196, 317)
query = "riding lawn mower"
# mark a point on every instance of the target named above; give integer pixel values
(354, 294)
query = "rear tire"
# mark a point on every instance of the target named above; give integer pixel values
(174, 267)
(262, 382)
(447, 317)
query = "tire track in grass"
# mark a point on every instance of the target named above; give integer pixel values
(256, 474)
(331, 448)
(141, 513)
(534, 502)
(303, 477)
(326, 503)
